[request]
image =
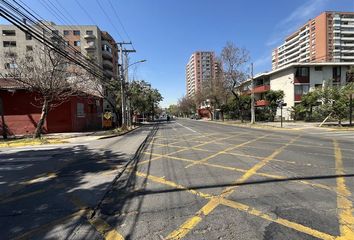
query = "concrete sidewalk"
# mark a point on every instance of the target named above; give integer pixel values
(298, 125)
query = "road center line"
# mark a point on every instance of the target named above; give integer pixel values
(344, 205)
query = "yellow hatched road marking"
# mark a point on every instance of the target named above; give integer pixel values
(224, 151)
(317, 185)
(99, 224)
(281, 221)
(344, 205)
(230, 190)
(215, 201)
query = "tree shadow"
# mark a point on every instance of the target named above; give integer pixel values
(43, 206)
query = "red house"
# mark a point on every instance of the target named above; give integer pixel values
(22, 111)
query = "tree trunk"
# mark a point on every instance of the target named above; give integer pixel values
(45, 107)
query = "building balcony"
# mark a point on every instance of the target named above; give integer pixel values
(107, 54)
(297, 97)
(108, 73)
(302, 79)
(107, 64)
(89, 36)
(261, 88)
(261, 103)
(90, 47)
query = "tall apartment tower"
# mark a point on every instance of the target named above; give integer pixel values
(201, 66)
(96, 45)
(328, 37)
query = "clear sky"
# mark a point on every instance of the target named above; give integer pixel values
(167, 32)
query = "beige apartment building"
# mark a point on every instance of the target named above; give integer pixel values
(295, 80)
(96, 45)
(202, 65)
(328, 37)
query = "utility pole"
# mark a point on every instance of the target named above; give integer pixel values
(351, 109)
(122, 79)
(253, 115)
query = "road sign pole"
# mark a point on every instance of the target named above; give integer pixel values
(281, 115)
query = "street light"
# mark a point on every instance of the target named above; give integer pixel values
(128, 119)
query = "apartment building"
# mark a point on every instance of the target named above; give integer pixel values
(328, 37)
(201, 66)
(96, 45)
(296, 79)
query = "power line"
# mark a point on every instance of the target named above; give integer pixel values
(69, 15)
(120, 22)
(87, 14)
(22, 25)
(109, 19)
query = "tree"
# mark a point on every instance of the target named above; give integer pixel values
(173, 110)
(234, 62)
(308, 101)
(273, 97)
(186, 105)
(143, 98)
(50, 75)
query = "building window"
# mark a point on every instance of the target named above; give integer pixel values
(77, 43)
(29, 48)
(301, 89)
(336, 73)
(80, 110)
(10, 65)
(89, 32)
(9, 43)
(8, 33)
(302, 72)
(28, 36)
(66, 32)
(318, 68)
(318, 86)
(77, 32)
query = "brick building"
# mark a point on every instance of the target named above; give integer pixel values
(22, 111)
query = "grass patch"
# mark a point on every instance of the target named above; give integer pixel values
(29, 142)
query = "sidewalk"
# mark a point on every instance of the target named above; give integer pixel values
(60, 138)
(298, 125)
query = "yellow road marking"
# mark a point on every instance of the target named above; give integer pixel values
(281, 221)
(99, 224)
(227, 149)
(230, 190)
(252, 171)
(344, 205)
(171, 184)
(215, 201)
(317, 185)
(188, 225)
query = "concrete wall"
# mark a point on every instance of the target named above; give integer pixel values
(284, 81)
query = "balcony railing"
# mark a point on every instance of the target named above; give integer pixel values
(297, 97)
(261, 88)
(301, 79)
(261, 103)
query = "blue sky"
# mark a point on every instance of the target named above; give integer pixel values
(167, 32)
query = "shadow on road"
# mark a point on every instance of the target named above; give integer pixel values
(43, 207)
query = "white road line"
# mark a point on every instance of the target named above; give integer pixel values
(187, 128)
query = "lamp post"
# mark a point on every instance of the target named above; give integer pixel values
(126, 118)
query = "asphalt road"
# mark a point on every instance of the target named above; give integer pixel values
(189, 180)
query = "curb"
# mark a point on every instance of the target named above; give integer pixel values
(117, 134)
(259, 127)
